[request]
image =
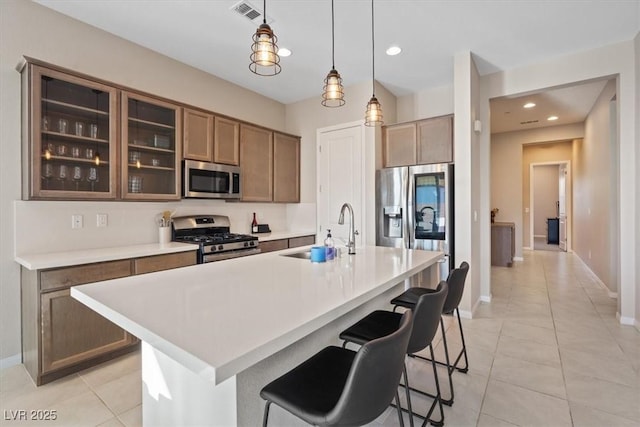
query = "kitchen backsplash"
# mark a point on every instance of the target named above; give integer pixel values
(45, 226)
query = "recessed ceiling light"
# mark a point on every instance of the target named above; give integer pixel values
(283, 51)
(529, 105)
(394, 50)
(552, 118)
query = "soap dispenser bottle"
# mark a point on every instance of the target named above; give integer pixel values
(329, 246)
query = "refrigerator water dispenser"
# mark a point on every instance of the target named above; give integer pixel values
(393, 221)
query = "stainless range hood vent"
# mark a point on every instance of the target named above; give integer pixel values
(250, 12)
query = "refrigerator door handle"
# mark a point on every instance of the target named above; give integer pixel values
(410, 204)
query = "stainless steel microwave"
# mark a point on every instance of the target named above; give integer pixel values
(202, 180)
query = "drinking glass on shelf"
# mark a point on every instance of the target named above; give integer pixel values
(79, 129)
(88, 153)
(61, 150)
(93, 130)
(45, 123)
(47, 174)
(63, 125)
(62, 174)
(75, 151)
(92, 177)
(77, 176)
(49, 150)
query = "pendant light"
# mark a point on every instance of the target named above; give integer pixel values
(373, 116)
(264, 50)
(333, 91)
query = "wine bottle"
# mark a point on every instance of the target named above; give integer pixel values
(254, 224)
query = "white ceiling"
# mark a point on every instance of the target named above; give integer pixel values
(503, 35)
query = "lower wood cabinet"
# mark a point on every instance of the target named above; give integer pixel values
(73, 333)
(503, 245)
(60, 335)
(293, 242)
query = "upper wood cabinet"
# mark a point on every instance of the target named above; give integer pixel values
(435, 140)
(399, 145)
(256, 163)
(226, 147)
(286, 168)
(422, 142)
(151, 148)
(72, 136)
(211, 139)
(198, 135)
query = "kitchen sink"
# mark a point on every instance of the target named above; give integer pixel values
(302, 255)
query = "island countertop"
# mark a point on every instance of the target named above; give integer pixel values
(220, 318)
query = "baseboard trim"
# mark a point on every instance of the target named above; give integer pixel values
(10, 361)
(610, 293)
(527, 248)
(544, 236)
(628, 321)
(518, 258)
(485, 298)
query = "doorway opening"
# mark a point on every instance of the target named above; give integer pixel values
(550, 206)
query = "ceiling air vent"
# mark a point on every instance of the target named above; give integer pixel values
(529, 122)
(250, 12)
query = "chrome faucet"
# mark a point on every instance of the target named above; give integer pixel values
(351, 244)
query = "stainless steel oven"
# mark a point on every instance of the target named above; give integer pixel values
(203, 180)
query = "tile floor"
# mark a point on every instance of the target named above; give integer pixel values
(547, 351)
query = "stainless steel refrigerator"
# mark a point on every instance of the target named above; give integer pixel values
(414, 209)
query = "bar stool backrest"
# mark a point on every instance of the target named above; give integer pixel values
(456, 281)
(374, 377)
(426, 318)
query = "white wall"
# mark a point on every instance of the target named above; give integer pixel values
(432, 102)
(617, 59)
(27, 28)
(468, 218)
(593, 216)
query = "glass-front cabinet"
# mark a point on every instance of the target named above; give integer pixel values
(150, 148)
(72, 128)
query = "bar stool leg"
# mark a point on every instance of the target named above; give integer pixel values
(408, 394)
(265, 418)
(464, 348)
(450, 369)
(399, 408)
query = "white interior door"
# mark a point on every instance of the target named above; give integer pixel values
(340, 168)
(562, 205)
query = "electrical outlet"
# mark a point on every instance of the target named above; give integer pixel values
(76, 221)
(101, 220)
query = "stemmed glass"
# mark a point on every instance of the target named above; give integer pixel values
(77, 176)
(62, 174)
(47, 174)
(92, 177)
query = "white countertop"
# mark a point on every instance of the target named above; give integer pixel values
(220, 318)
(86, 256)
(277, 235)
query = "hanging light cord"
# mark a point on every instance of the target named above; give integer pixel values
(373, 53)
(333, 40)
(264, 11)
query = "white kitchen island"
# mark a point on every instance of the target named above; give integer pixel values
(214, 334)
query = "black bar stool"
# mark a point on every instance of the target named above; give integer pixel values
(338, 386)
(426, 314)
(456, 281)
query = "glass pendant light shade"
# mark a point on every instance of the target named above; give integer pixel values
(373, 116)
(265, 60)
(333, 91)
